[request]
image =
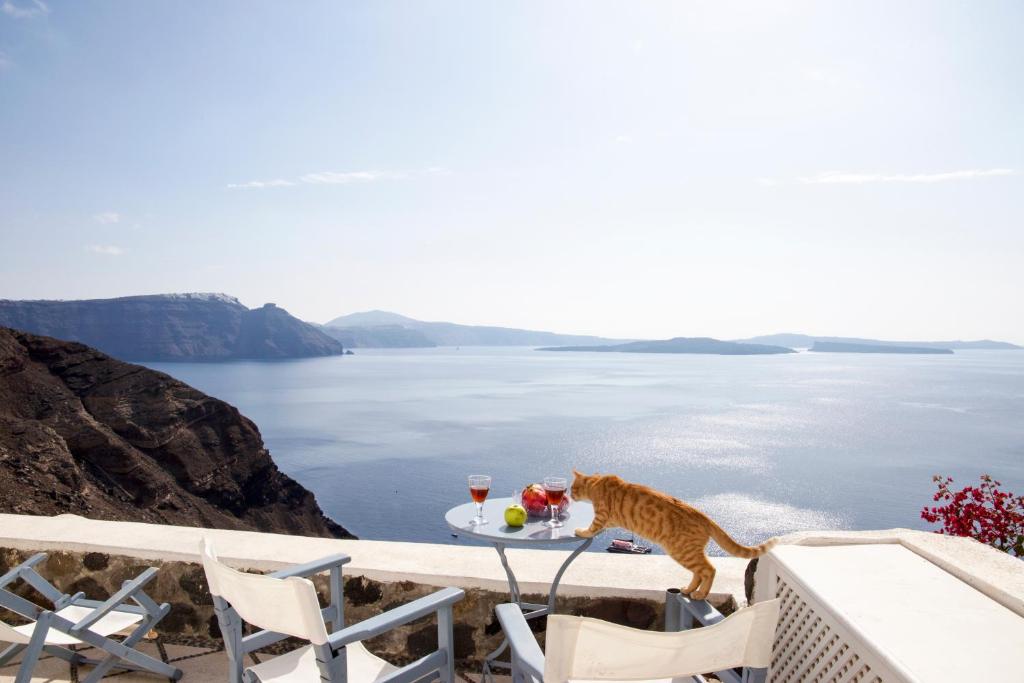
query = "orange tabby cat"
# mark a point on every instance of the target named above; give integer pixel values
(680, 529)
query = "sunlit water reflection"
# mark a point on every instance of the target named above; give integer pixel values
(766, 444)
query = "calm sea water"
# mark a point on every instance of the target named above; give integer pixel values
(765, 444)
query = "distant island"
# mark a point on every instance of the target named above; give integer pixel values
(218, 327)
(380, 337)
(705, 345)
(383, 329)
(840, 347)
(806, 341)
(173, 327)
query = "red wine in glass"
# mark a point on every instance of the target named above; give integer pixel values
(479, 493)
(554, 489)
(479, 487)
(555, 496)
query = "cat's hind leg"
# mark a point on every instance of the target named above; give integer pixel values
(706, 575)
(691, 557)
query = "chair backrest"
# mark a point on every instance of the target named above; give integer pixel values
(9, 635)
(281, 605)
(580, 648)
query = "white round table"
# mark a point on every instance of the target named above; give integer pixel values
(534, 534)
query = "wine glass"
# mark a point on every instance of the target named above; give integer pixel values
(554, 489)
(479, 487)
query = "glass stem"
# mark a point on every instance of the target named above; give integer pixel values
(553, 513)
(479, 511)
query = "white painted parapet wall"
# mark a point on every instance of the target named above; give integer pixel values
(995, 574)
(591, 575)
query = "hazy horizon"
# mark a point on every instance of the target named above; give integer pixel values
(642, 170)
(800, 331)
(757, 334)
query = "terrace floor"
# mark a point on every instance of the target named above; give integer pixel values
(198, 664)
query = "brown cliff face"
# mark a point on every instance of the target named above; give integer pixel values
(84, 433)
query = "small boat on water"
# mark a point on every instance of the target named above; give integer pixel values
(628, 546)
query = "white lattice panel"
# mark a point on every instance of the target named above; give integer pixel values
(881, 613)
(808, 648)
(812, 644)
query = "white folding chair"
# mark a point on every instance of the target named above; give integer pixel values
(285, 604)
(585, 649)
(75, 620)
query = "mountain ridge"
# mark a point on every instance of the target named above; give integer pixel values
(376, 328)
(698, 345)
(372, 318)
(846, 347)
(805, 341)
(380, 336)
(172, 327)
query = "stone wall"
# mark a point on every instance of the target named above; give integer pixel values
(192, 621)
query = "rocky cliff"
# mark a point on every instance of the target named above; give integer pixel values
(172, 327)
(81, 432)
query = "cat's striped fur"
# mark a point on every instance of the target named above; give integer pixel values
(681, 529)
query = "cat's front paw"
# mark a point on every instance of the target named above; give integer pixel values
(584, 533)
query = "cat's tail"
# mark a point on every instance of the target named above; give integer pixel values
(726, 542)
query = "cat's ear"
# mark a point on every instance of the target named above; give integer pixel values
(578, 474)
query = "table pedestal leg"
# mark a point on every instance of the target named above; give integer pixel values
(530, 610)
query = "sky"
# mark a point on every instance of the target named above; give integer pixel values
(632, 169)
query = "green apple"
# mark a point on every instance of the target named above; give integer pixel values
(515, 515)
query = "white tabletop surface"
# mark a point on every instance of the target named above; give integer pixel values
(935, 626)
(533, 533)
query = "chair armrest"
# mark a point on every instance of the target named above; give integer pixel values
(15, 572)
(127, 591)
(314, 567)
(396, 617)
(526, 653)
(701, 610)
(681, 611)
